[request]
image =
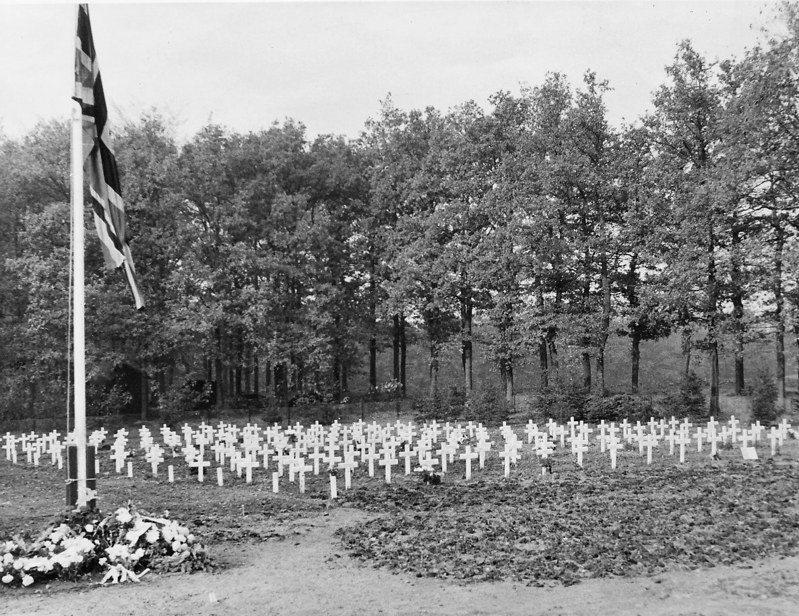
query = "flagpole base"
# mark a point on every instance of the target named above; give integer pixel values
(72, 477)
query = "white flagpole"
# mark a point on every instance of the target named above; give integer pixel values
(79, 330)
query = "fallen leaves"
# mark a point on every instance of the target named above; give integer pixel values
(581, 525)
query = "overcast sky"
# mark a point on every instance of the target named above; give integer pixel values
(329, 64)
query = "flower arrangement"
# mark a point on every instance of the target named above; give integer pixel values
(390, 387)
(124, 545)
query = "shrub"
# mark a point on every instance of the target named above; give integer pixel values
(689, 400)
(559, 404)
(764, 397)
(487, 405)
(107, 401)
(456, 402)
(185, 399)
(429, 408)
(618, 407)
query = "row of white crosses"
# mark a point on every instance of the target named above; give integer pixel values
(33, 446)
(297, 451)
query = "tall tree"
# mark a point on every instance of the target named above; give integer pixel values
(762, 145)
(686, 130)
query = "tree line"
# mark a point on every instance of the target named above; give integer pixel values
(271, 262)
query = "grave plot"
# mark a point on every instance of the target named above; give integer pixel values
(459, 500)
(290, 457)
(587, 525)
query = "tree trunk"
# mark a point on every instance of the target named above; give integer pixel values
(554, 362)
(220, 382)
(779, 334)
(395, 326)
(403, 354)
(337, 373)
(605, 326)
(543, 364)
(714, 378)
(248, 372)
(372, 332)
(298, 371)
(161, 376)
(738, 313)
(256, 375)
(740, 385)
(239, 342)
(635, 325)
(373, 362)
(712, 333)
(600, 371)
(466, 342)
(796, 341)
(433, 369)
(509, 392)
(586, 359)
(219, 365)
(635, 356)
(686, 346)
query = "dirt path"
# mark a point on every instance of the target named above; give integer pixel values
(307, 573)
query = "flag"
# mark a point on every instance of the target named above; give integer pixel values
(106, 194)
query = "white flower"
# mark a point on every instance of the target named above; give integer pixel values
(27, 580)
(123, 515)
(59, 533)
(89, 528)
(118, 552)
(66, 558)
(7, 558)
(18, 564)
(8, 578)
(170, 531)
(139, 528)
(38, 563)
(152, 535)
(81, 545)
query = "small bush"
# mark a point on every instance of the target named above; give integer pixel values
(487, 405)
(559, 404)
(764, 397)
(456, 403)
(107, 401)
(183, 400)
(429, 408)
(617, 407)
(689, 400)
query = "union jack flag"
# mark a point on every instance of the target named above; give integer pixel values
(104, 186)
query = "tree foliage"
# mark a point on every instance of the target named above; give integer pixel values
(530, 228)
